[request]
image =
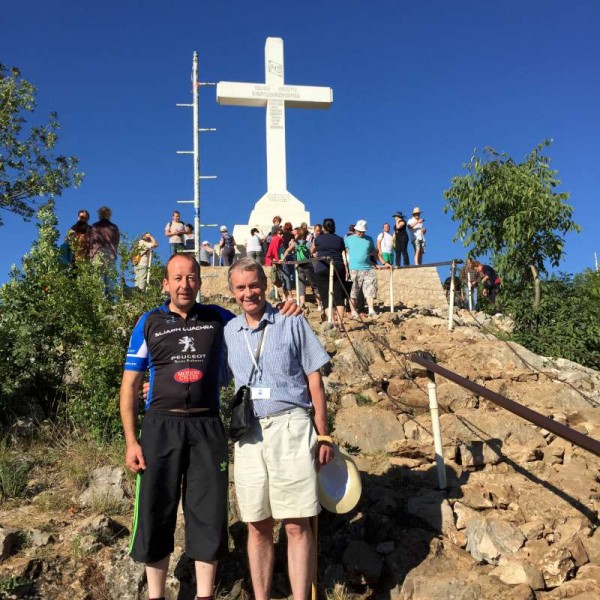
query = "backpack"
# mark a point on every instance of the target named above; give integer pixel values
(302, 252)
(228, 241)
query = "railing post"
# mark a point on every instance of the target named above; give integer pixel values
(330, 307)
(392, 289)
(469, 290)
(297, 284)
(451, 307)
(437, 430)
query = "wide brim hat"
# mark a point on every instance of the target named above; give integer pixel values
(398, 213)
(361, 225)
(416, 210)
(339, 484)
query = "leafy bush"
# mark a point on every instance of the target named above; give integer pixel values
(565, 324)
(62, 340)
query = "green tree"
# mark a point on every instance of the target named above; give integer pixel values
(511, 211)
(62, 340)
(29, 169)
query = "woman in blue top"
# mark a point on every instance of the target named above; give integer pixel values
(328, 244)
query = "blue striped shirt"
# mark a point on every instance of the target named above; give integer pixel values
(290, 351)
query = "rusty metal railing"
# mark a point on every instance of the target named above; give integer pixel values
(567, 433)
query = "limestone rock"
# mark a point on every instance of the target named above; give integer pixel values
(363, 565)
(432, 508)
(557, 566)
(462, 514)
(368, 428)
(102, 529)
(489, 539)
(476, 453)
(124, 578)
(514, 571)
(106, 486)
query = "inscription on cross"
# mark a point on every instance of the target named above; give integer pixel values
(276, 96)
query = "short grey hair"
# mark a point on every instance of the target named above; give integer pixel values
(247, 264)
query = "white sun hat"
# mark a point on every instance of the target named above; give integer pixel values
(339, 483)
(361, 225)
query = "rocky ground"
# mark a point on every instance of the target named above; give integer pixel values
(519, 519)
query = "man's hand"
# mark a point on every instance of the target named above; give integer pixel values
(145, 390)
(324, 454)
(134, 458)
(289, 308)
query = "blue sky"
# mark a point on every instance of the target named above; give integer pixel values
(417, 86)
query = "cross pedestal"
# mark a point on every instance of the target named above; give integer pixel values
(276, 97)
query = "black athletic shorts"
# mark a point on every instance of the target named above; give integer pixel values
(186, 457)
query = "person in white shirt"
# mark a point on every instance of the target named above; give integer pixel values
(385, 245)
(174, 231)
(417, 234)
(254, 245)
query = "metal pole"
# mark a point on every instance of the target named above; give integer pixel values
(451, 308)
(437, 431)
(392, 289)
(330, 308)
(196, 139)
(469, 290)
(297, 284)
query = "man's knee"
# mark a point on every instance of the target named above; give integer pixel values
(297, 527)
(261, 529)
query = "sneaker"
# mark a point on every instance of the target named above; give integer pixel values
(373, 315)
(355, 317)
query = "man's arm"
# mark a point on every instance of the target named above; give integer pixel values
(130, 387)
(317, 394)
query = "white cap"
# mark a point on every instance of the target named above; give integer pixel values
(223, 227)
(361, 225)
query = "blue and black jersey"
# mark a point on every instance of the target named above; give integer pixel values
(185, 357)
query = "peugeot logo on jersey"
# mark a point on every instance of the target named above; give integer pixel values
(188, 344)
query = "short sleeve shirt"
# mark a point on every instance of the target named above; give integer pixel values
(329, 244)
(175, 227)
(386, 242)
(290, 351)
(359, 252)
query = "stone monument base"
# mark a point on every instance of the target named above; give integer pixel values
(284, 204)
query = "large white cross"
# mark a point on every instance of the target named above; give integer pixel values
(276, 96)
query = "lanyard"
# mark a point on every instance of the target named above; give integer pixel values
(255, 358)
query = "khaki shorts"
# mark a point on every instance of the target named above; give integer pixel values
(275, 470)
(365, 281)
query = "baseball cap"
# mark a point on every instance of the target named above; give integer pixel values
(223, 228)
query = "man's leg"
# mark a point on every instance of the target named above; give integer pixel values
(156, 574)
(260, 557)
(205, 578)
(300, 552)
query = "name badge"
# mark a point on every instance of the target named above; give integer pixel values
(261, 393)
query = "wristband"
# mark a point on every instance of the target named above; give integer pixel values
(325, 439)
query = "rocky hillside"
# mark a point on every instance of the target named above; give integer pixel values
(518, 521)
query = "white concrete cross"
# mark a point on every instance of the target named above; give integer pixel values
(276, 96)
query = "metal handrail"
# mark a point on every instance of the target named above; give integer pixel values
(575, 437)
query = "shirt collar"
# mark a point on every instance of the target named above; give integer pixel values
(268, 317)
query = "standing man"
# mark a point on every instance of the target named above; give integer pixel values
(401, 238)
(227, 245)
(385, 245)
(274, 468)
(414, 223)
(362, 261)
(104, 241)
(174, 230)
(183, 447)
